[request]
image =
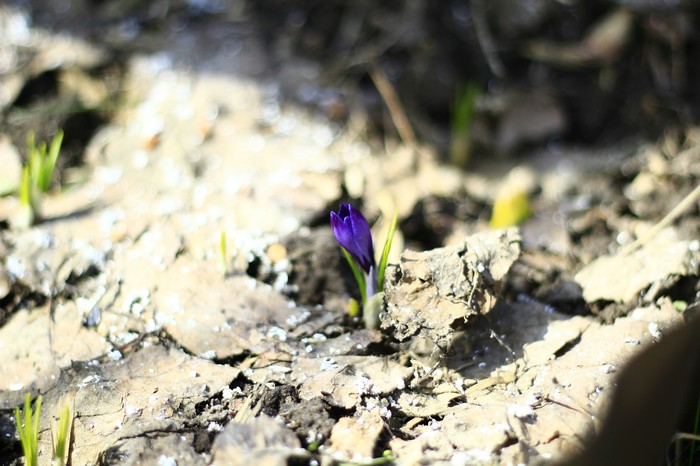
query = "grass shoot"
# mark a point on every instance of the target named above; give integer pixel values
(223, 251)
(387, 249)
(462, 114)
(60, 433)
(37, 174)
(511, 208)
(29, 432)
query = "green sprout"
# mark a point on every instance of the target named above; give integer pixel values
(41, 162)
(29, 434)
(386, 458)
(462, 115)
(387, 249)
(511, 207)
(680, 305)
(61, 435)
(223, 250)
(37, 174)
(313, 446)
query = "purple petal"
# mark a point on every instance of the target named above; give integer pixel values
(352, 232)
(342, 232)
(363, 238)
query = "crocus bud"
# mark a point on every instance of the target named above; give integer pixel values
(352, 232)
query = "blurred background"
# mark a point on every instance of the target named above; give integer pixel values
(474, 78)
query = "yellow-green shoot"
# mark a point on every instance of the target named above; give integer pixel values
(387, 249)
(462, 114)
(42, 162)
(223, 250)
(38, 172)
(60, 432)
(29, 432)
(511, 207)
(386, 458)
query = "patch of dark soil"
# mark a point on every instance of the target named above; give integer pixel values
(421, 47)
(480, 347)
(38, 89)
(10, 450)
(272, 399)
(112, 456)
(208, 412)
(309, 419)
(591, 233)
(565, 295)
(203, 440)
(683, 289)
(234, 361)
(433, 219)
(608, 312)
(79, 128)
(77, 101)
(319, 271)
(544, 278)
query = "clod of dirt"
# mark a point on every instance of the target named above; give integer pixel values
(236, 315)
(40, 263)
(355, 438)
(262, 441)
(544, 394)
(162, 449)
(623, 277)
(309, 419)
(119, 405)
(428, 291)
(355, 342)
(344, 381)
(48, 343)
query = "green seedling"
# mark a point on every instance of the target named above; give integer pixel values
(60, 432)
(680, 305)
(223, 250)
(42, 163)
(37, 174)
(29, 433)
(313, 446)
(511, 208)
(353, 308)
(386, 458)
(387, 249)
(462, 114)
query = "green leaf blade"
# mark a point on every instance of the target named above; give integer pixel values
(359, 276)
(385, 252)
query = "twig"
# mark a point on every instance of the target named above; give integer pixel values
(393, 103)
(666, 221)
(485, 39)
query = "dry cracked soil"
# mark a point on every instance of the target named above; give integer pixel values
(494, 346)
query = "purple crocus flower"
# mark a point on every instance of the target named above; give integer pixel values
(352, 232)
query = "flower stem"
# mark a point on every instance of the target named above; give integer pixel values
(357, 273)
(371, 282)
